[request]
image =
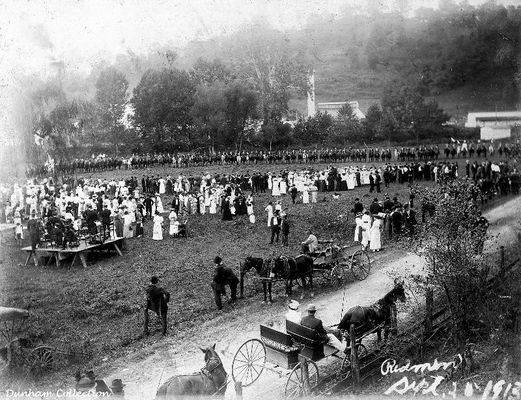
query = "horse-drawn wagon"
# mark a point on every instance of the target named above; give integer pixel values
(334, 263)
(299, 348)
(337, 262)
(21, 353)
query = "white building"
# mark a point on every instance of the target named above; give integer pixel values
(494, 125)
(333, 108)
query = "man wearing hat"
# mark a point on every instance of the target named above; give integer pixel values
(312, 322)
(284, 228)
(293, 313)
(275, 226)
(157, 299)
(33, 227)
(223, 276)
(310, 245)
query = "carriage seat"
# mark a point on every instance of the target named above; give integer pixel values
(314, 349)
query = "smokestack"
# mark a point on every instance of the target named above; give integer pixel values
(311, 96)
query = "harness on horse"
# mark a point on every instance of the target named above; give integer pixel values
(286, 266)
(207, 373)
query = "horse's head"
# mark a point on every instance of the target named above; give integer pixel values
(211, 357)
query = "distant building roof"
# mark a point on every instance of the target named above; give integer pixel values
(503, 117)
(333, 107)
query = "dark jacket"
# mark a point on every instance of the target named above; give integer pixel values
(157, 299)
(224, 275)
(310, 321)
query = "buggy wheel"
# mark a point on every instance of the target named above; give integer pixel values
(295, 386)
(346, 362)
(339, 272)
(360, 264)
(40, 360)
(248, 362)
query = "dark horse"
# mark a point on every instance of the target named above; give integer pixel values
(377, 316)
(211, 380)
(286, 268)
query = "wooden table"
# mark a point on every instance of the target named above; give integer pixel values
(79, 251)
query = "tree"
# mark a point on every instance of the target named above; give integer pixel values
(209, 113)
(314, 130)
(263, 60)
(111, 96)
(347, 126)
(451, 242)
(162, 102)
(372, 125)
(241, 105)
(405, 109)
(210, 72)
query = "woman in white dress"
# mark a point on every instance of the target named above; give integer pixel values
(173, 218)
(314, 192)
(213, 205)
(366, 227)
(375, 234)
(128, 219)
(305, 195)
(157, 232)
(358, 228)
(275, 190)
(159, 204)
(249, 208)
(283, 186)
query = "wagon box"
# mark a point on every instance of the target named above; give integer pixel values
(279, 347)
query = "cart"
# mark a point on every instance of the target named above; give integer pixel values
(20, 353)
(293, 350)
(340, 262)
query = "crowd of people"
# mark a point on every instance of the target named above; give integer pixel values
(365, 154)
(61, 212)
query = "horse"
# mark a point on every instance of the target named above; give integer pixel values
(211, 380)
(375, 316)
(285, 268)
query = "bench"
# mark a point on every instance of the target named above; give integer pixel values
(280, 349)
(314, 349)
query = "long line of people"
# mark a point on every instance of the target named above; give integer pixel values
(103, 162)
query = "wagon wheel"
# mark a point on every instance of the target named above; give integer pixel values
(360, 264)
(39, 360)
(346, 362)
(295, 385)
(339, 272)
(248, 362)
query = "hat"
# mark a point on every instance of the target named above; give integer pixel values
(217, 260)
(85, 383)
(117, 384)
(293, 304)
(311, 307)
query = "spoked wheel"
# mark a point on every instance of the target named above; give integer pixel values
(360, 264)
(249, 362)
(295, 386)
(339, 272)
(346, 362)
(40, 360)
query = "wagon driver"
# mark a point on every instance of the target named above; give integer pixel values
(312, 322)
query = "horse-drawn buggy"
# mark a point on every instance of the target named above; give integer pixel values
(337, 262)
(333, 263)
(299, 348)
(23, 354)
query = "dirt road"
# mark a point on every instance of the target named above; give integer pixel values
(161, 358)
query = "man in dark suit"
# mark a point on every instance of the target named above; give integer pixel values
(223, 276)
(157, 299)
(312, 322)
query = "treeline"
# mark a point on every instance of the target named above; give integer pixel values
(233, 92)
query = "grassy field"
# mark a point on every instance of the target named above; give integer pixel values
(99, 308)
